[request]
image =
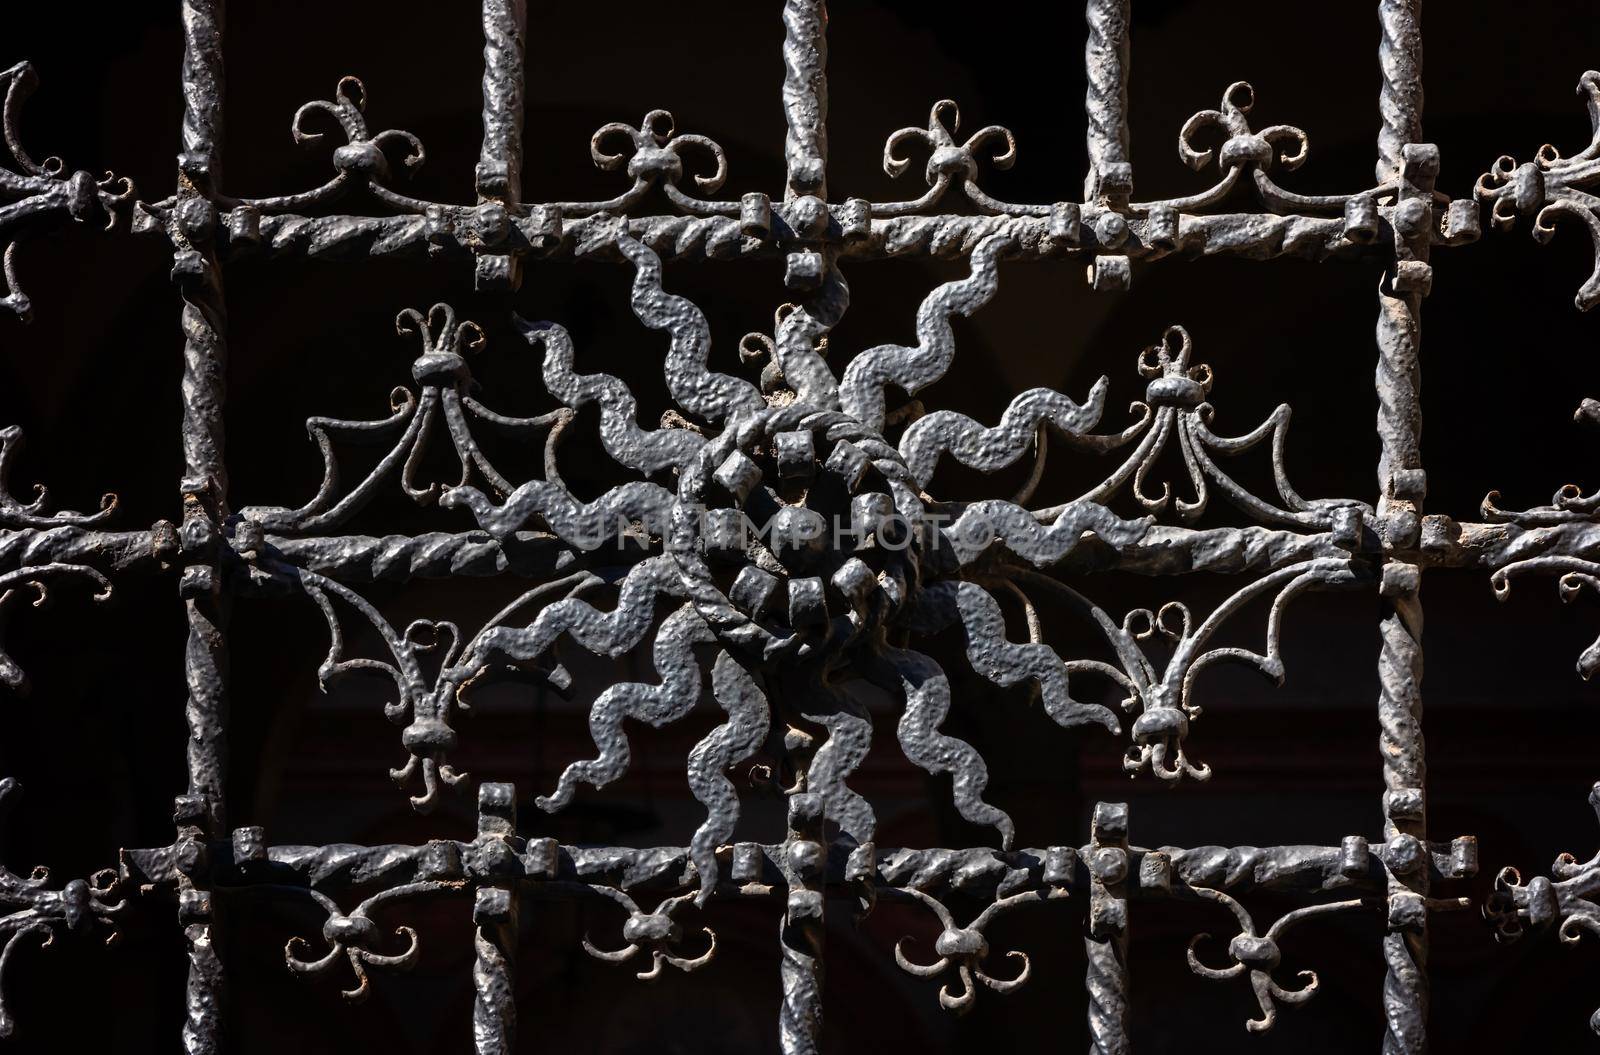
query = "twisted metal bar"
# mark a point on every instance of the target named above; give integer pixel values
(1405, 946)
(1161, 550)
(1399, 378)
(202, 84)
(399, 558)
(1107, 982)
(204, 320)
(1400, 672)
(206, 991)
(1402, 486)
(1252, 236)
(1105, 58)
(111, 551)
(758, 872)
(1400, 99)
(805, 97)
(498, 176)
(801, 930)
(1105, 940)
(495, 911)
(205, 668)
(499, 172)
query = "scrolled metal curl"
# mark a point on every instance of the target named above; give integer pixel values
(654, 156)
(656, 931)
(966, 949)
(353, 936)
(1551, 188)
(1259, 955)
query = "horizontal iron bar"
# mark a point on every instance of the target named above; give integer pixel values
(456, 229)
(118, 551)
(754, 869)
(1447, 543)
(1163, 550)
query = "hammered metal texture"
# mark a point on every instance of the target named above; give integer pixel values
(781, 538)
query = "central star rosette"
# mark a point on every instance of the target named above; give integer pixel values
(798, 527)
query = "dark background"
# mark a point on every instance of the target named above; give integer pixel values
(99, 742)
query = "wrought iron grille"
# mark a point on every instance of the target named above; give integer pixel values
(782, 539)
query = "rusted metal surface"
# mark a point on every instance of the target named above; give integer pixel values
(783, 533)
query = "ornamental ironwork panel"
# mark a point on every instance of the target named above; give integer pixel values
(781, 540)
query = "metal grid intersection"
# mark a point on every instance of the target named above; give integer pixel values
(787, 619)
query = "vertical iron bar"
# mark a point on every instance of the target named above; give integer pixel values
(494, 910)
(805, 97)
(1107, 982)
(1400, 98)
(805, 152)
(499, 172)
(804, 863)
(206, 988)
(1412, 166)
(202, 1022)
(204, 321)
(1105, 941)
(206, 668)
(800, 335)
(1405, 945)
(1109, 179)
(1105, 57)
(494, 1008)
(199, 279)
